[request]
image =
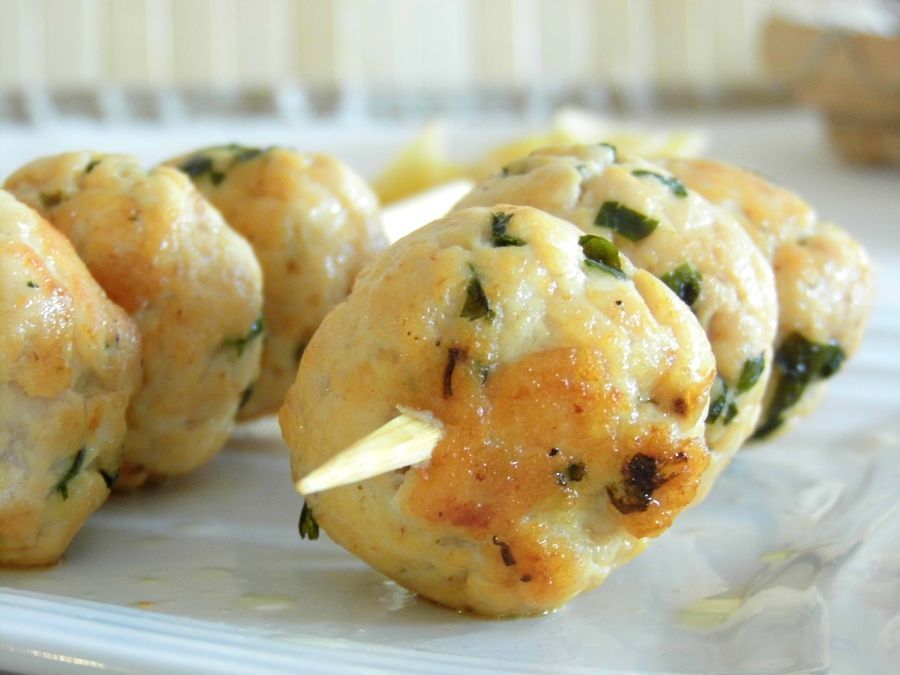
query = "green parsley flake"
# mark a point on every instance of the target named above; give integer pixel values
(602, 254)
(625, 221)
(197, 165)
(476, 305)
(499, 237)
(798, 363)
(675, 185)
(62, 486)
(109, 478)
(722, 403)
(200, 164)
(684, 280)
(750, 373)
(308, 527)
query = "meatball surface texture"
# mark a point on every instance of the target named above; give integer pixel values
(571, 389)
(824, 278)
(192, 285)
(698, 249)
(69, 364)
(313, 223)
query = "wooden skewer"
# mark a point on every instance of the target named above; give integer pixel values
(407, 439)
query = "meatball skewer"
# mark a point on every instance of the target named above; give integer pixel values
(697, 248)
(571, 390)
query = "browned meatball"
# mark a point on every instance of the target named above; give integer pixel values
(312, 222)
(571, 389)
(69, 364)
(192, 285)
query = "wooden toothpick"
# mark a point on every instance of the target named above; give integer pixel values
(407, 439)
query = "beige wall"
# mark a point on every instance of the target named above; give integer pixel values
(689, 45)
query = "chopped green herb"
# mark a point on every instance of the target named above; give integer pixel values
(243, 153)
(50, 199)
(750, 373)
(31, 284)
(62, 486)
(308, 527)
(197, 165)
(798, 363)
(91, 165)
(476, 305)
(109, 478)
(602, 254)
(625, 221)
(576, 471)
(499, 237)
(684, 280)
(721, 403)
(675, 185)
(257, 328)
(201, 164)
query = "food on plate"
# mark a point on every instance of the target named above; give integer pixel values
(426, 162)
(69, 363)
(570, 389)
(192, 285)
(697, 248)
(312, 223)
(824, 279)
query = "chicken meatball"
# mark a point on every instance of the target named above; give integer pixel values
(69, 364)
(312, 222)
(192, 285)
(698, 249)
(571, 389)
(824, 279)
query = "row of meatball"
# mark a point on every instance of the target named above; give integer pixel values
(143, 312)
(595, 336)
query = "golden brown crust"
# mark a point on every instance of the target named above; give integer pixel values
(736, 304)
(313, 224)
(69, 363)
(192, 285)
(824, 278)
(556, 460)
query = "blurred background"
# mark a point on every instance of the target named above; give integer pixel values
(359, 62)
(390, 57)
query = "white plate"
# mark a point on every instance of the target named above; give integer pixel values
(792, 564)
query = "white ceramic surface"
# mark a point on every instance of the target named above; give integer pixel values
(792, 564)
